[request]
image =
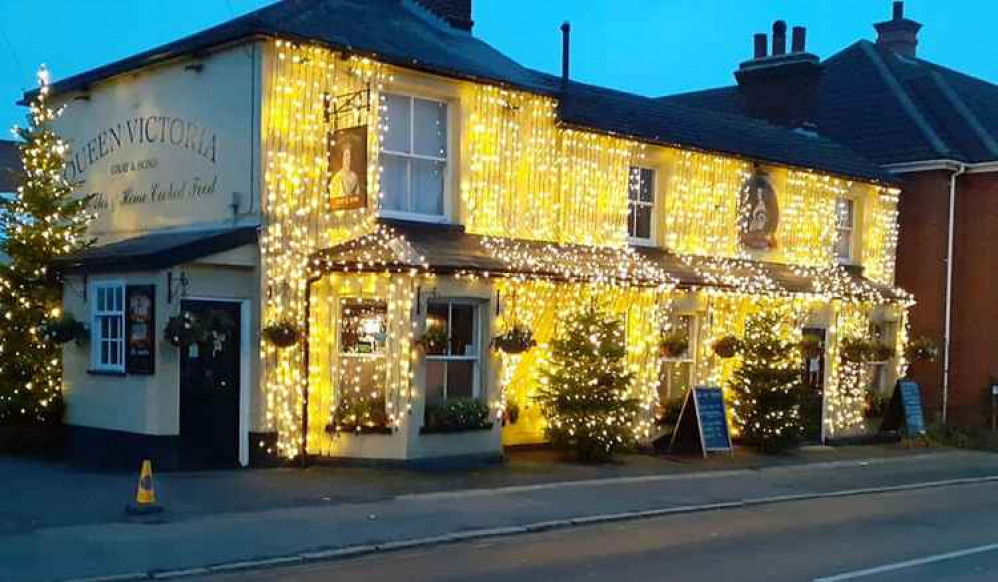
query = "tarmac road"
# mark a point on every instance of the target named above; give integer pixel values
(947, 533)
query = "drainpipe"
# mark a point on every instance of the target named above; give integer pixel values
(961, 169)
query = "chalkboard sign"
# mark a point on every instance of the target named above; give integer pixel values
(140, 329)
(905, 409)
(703, 423)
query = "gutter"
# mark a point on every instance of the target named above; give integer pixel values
(942, 164)
(947, 333)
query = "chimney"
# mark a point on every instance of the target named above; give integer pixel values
(456, 13)
(899, 34)
(781, 87)
(566, 52)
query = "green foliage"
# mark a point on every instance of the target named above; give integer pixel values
(65, 329)
(187, 328)
(456, 414)
(727, 346)
(282, 334)
(360, 412)
(516, 340)
(584, 390)
(766, 385)
(673, 345)
(434, 340)
(41, 222)
(921, 349)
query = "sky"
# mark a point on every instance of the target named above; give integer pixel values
(651, 47)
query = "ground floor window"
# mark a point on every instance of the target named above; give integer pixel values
(361, 376)
(452, 358)
(676, 369)
(108, 327)
(883, 333)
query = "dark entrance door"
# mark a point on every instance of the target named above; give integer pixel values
(813, 378)
(209, 390)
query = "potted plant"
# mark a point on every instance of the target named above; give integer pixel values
(184, 330)
(726, 347)
(921, 349)
(516, 340)
(673, 345)
(67, 329)
(434, 340)
(282, 334)
(810, 346)
(881, 352)
(456, 415)
(855, 350)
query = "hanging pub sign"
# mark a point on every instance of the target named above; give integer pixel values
(904, 413)
(703, 423)
(348, 168)
(140, 327)
(758, 212)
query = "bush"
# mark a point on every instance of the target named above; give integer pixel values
(67, 329)
(455, 415)
(360, 413)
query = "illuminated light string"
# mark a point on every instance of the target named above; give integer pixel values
(551, 205)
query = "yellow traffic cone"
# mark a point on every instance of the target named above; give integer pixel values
(145, 497)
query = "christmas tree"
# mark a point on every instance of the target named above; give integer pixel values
(41, 222)
(767, 386)
(584, 388)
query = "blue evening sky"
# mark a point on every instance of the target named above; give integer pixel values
(651, 47)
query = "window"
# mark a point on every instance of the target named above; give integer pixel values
(641, 205)
(845, 212)
(883, 333)
(108, 328)
(362, 345)
(676, 372)
(452, 356)
(414, 157)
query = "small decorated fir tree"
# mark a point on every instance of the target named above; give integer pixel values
(767, 386)
(584, 388)
(41, 222)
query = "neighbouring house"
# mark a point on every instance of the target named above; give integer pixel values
(937, 130)
(10, 175)
(314, 220)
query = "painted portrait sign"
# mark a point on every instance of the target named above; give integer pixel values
(140, 326)
(348, 168)
(759, 212)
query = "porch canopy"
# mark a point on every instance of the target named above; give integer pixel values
(397, 246)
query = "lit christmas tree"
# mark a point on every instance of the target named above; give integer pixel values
(40, 222)
(585, 388)
(767, 386)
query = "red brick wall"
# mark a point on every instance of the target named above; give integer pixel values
(975, 306)
(921, 269)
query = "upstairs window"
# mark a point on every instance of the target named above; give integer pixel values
(641, 205)
(845, 213)
(414, 158)
(108, 328)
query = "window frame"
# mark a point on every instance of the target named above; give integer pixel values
(477, 392)
(850, 259)
(96, 313)
(653, 205)
(448, 160)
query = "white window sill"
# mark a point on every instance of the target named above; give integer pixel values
(413, 217)
(641, 242)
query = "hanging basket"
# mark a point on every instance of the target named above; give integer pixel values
(184, 330)
(727, 346)
(856, 350)
(67, 329)
(810, 347)
(673, 345)
(921, 349)
(515, 341)
(282, 334)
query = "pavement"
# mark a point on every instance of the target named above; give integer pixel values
(910, 536)
(217, 522)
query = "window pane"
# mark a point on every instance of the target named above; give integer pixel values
(642, 222)
(428, 187)
(843, 245)
(105, 352)
(437, 322)
(430, 128)
(634, 186)
(364, 376)
(394, 183)
(647, 185)
(463, 330)
(363, 326)
(397, 132)
(460, 379)
(435, 371)
(119, 298)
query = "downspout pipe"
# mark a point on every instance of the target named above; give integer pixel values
(960, 170)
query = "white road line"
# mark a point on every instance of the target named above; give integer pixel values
(909, 564)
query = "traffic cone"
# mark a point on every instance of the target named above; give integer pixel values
(145, 496)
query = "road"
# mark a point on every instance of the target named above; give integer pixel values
(946, 533)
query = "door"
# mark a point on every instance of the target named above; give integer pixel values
(813, 379)
(209, 389)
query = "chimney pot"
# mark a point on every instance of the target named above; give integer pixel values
(899, 34)
(779, 38)
(899, 10)
(566, 46)
(761, 45)
(799, 39)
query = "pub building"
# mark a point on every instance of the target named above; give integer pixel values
(314, 220)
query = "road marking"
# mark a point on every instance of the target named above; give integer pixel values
(909, 564)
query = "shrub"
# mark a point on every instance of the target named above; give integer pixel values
(360, 412)
(457, 414)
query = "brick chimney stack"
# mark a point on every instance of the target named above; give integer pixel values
(781, 87)
(899, 34)
(456, 13)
